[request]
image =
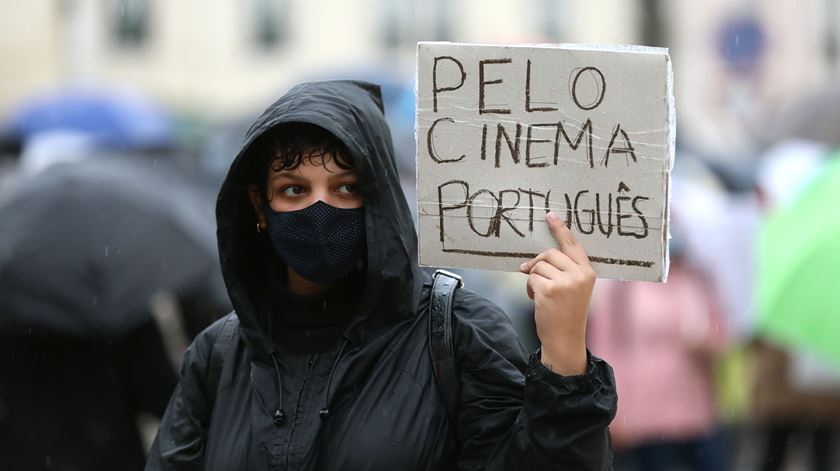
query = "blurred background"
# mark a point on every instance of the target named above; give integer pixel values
(734, 364)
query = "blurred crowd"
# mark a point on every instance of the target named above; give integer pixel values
(734, 363)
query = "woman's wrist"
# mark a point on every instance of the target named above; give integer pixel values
(565, 360)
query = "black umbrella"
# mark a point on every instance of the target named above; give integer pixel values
(84, 247)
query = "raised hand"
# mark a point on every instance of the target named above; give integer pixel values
(560, 281)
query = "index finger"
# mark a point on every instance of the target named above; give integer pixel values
(568, 243)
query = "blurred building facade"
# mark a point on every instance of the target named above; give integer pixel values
(736, 61)
(229, 53)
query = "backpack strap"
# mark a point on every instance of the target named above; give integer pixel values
(217, 357)
(441, 347)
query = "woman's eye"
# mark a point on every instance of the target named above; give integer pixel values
(292, 190)
(348, 188)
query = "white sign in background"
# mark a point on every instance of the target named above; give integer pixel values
(505, 133)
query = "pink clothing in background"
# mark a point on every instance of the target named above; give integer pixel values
(660, 340)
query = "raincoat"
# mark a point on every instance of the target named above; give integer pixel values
(371, 402)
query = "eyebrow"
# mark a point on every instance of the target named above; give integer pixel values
(286, 174)
(293, 176)
(346, 173)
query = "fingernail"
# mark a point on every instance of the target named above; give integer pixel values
(523, 266)
(551, 216)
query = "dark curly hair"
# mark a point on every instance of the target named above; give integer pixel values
(286, 146)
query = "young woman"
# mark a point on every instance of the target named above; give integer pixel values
(325, 362)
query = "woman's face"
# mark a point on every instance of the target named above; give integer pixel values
(317, 177)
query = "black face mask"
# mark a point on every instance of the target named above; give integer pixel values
(321, 243)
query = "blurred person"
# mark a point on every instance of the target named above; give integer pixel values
(793, 401)
(83, 257)
(72, 402)
(325, 363)
(662, 340)
(719, 218)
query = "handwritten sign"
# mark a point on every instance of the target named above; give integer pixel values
(506, 133)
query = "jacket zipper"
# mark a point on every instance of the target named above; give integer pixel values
(312, 358)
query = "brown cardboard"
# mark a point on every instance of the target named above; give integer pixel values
(506, 132)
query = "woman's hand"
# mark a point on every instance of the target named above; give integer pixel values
(560, 282)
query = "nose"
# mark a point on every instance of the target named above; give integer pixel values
(320, 194)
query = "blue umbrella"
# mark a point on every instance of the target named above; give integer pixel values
(116, 119)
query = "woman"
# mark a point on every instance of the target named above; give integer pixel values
(663, 340)
(328, 366)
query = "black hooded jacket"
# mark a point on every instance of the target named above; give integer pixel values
(370, 401)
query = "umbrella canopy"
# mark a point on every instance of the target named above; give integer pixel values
(117, 119)
(84, 247)
(799, 269)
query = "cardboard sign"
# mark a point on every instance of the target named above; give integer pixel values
(506, 133)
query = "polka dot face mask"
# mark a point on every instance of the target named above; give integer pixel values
(321, 243)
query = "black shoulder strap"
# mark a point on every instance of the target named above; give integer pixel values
(441, 348)
(217, 357)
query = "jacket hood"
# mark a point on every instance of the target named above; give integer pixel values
(353, 112)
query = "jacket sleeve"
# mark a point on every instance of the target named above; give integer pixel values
(518, 415)
(179, 444)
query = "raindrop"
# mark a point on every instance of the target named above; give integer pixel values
(106, 250)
